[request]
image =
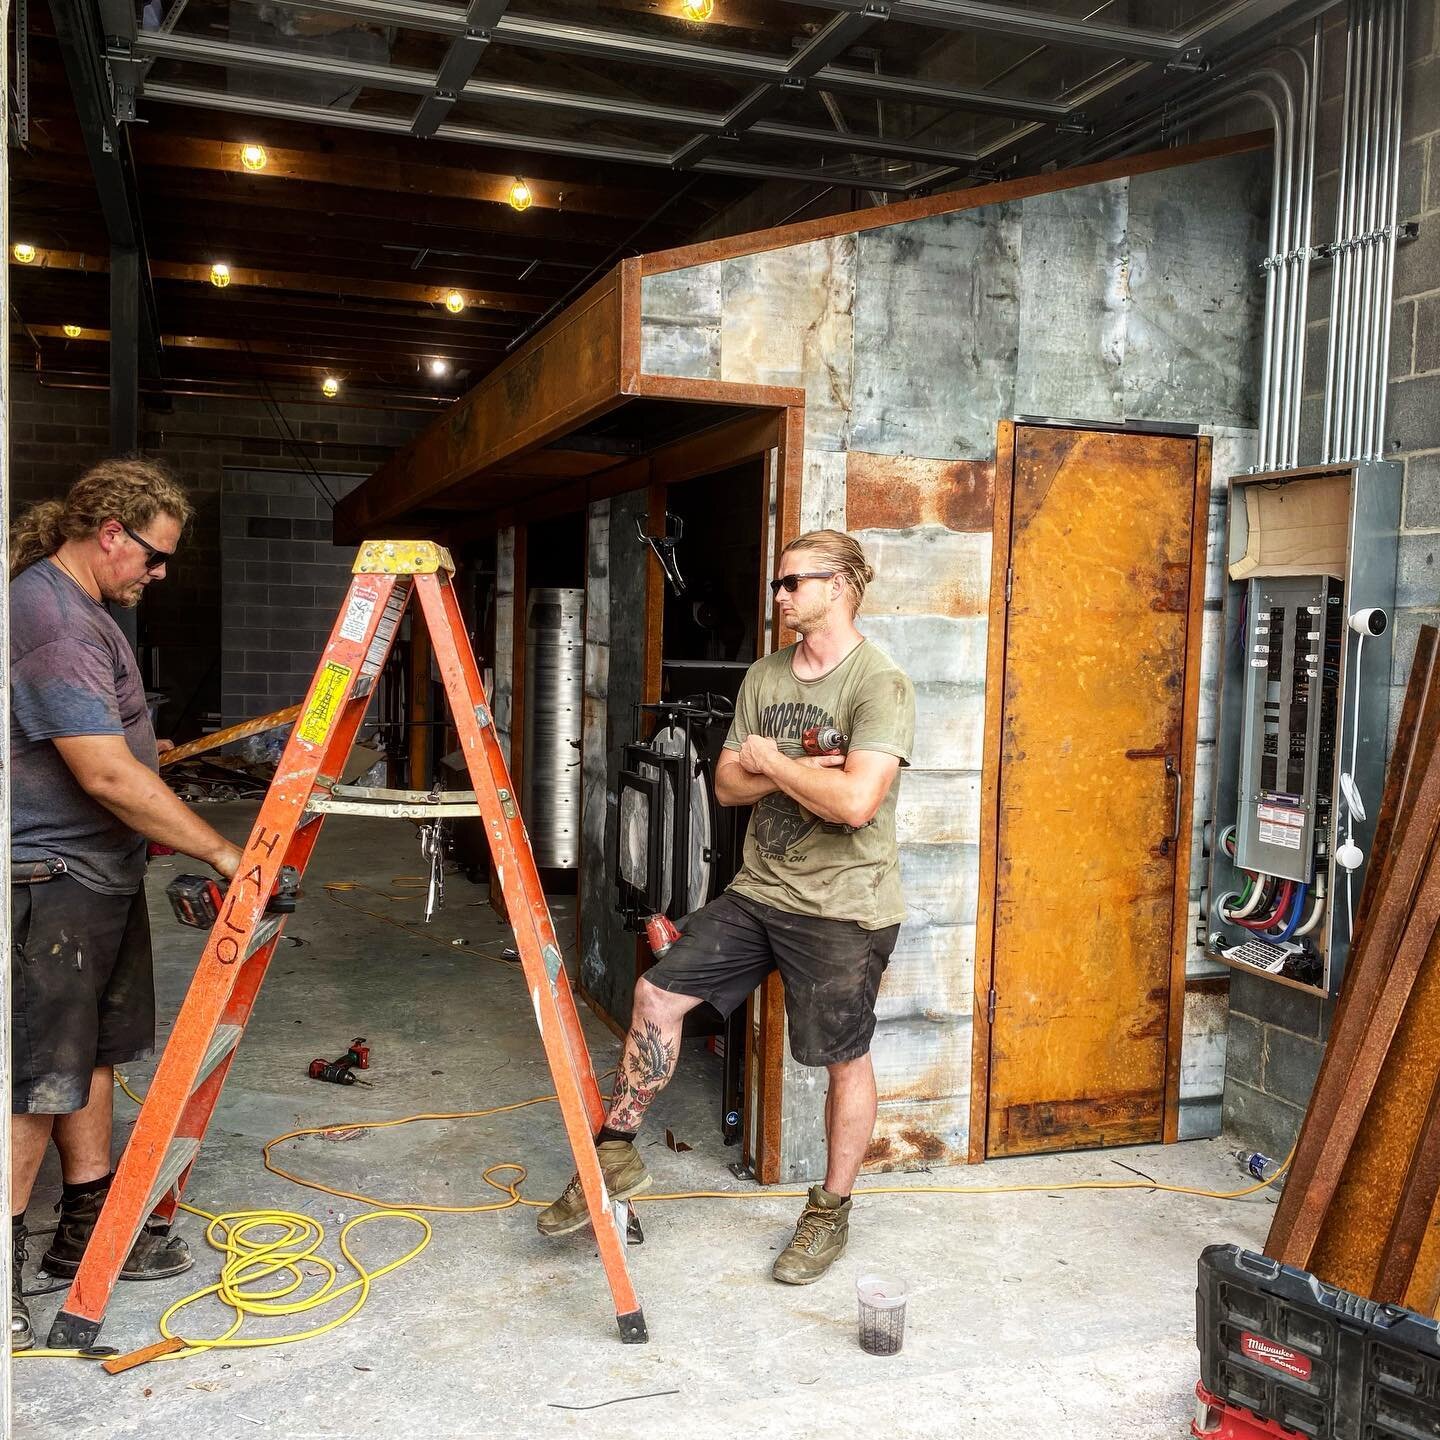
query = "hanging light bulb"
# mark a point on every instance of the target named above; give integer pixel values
(454, 302)
(253, 157)
(439, 368)
(219, 274)
(330, 387)
(698, 9)
(73, 331)
(24, 253)
(520, 196)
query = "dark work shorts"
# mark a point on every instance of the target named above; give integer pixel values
(831, 971)
(82, 987)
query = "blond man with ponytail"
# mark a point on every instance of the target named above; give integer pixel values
(85, 795)
(817, 898)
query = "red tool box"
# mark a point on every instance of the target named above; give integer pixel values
(1215, 1420)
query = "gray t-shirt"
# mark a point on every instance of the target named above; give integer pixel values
(72, 672)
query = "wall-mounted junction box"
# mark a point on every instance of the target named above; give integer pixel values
(1305, 550)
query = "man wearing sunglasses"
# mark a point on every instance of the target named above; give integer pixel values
(818, 896)
(85, 795)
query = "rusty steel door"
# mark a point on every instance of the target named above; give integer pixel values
(1089, 789)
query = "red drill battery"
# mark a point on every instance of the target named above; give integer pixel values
(660, 934)
(824, 740)
(195, 900)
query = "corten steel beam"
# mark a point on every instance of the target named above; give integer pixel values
(717, 125)
(82, 47)
(458, 65)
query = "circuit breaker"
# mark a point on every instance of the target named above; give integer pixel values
(1296, 627)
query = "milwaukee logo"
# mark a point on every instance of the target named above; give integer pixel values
(1277, 1357)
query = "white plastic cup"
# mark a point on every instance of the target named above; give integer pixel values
(882, 1314)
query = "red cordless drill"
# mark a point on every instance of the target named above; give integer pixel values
(342, 1071)
(824, 740)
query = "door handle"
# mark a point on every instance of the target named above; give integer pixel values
(1172, 772)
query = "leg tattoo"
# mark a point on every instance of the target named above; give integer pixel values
(646, 1065)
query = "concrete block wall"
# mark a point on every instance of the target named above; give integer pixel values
(1277, 1035)
(56, 433)
(282, 580)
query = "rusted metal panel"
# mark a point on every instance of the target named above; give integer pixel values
(680, 323)
(895, 492)
(1087, 879)
(1074, 294)
(936, 331)
(787, 320)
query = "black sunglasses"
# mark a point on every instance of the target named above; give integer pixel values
(791, 583)
(154, 558)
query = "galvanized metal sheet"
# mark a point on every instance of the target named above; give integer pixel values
(595, 879)
(940, 883)
(1197, 237)
(936, 331)
(1073, 298)
(503, 690)
(680, 323)
(1202, 1057)
(822, 493)
(931, 973)
(914, 1134)
(938, 807)
(927, 570)
(788, 321)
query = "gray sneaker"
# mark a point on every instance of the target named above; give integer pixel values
(625, 1175)
(820, 1238)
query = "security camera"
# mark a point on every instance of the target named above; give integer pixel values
(1370, 622)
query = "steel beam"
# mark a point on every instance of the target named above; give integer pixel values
(83, 47)
(1052, 29)
(459, 65)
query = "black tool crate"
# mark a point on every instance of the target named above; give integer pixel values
(1312, 1357)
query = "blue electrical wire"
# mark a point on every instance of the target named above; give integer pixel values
(1293, 923)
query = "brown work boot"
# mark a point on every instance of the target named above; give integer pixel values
(152, 1257)
(820, 1237)
(22, 1337)
(625, 1175)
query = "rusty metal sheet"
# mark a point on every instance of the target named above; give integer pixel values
(937, 317)
(1074, 294)
(787, 319)
(1094, 674)
(919, 1134)
(896, 492)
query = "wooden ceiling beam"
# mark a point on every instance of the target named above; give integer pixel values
(340, 286)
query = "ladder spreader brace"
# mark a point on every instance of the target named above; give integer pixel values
(156, 1166)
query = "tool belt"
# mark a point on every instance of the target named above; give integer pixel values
(36, 872)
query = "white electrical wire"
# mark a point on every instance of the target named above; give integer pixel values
(1354, 804)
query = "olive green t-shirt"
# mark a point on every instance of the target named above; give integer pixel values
(793, 860)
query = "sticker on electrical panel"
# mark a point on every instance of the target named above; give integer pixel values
(324, 705)
(1281, 835)
(357, 615)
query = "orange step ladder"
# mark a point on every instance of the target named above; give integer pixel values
(168, 1133)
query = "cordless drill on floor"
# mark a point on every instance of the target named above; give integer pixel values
(342, 1071)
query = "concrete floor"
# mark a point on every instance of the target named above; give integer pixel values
(1068, 1314)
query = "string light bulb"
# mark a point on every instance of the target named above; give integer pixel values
(73, 331)
(219, 274)
(329, 387)
(439, 368)
(698, 9)
(253, 157)
(454, 302)
(520, 197)
(24, 253)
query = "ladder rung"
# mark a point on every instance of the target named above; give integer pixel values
(222, 1042)
(183, 1149)
(393, 804)
(265, 932)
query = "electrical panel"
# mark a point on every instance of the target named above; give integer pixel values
(1296, 627)
(1302, 723)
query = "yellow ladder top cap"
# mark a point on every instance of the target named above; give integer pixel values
(402, 557)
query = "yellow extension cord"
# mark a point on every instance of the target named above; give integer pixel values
(251, 1260)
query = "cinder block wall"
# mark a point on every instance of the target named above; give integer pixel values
(55, 433)
(1277, 1035)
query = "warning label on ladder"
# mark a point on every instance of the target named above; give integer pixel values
(320, 714)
